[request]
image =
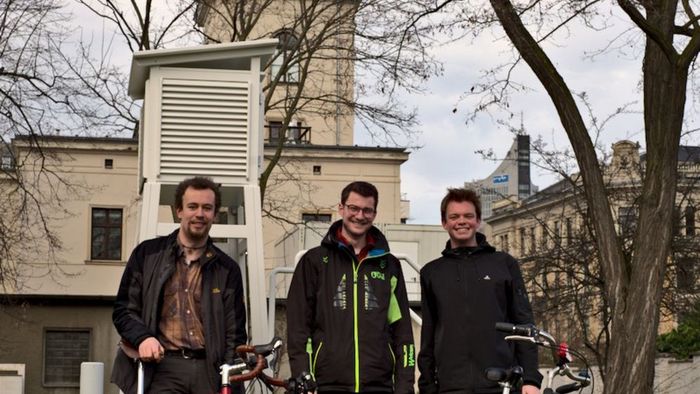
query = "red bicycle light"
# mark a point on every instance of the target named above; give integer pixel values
(564, 352)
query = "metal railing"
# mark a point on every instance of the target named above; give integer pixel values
(294, 134)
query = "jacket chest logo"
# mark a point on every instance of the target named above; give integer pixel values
(377, 275)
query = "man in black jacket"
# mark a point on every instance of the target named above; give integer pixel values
(347, 309)
(464, 293)
(180, 302)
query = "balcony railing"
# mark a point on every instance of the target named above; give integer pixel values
(294, 134)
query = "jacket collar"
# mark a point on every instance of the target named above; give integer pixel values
(381, 245)
(171, 243)
(481, 246)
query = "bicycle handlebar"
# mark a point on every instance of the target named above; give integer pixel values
(524, 330)
(256, 365)
(260, 364)
(530, 333)
(569, 388)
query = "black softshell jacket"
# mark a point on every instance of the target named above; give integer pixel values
(139, 299)
(348, 320)
(464, 293)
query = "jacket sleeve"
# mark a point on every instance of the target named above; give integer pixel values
(235, 314)
(126, 315)
(427, 382)
(401, 334)
(520, 312)
(301, 306)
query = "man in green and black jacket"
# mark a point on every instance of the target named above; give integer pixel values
(347, 310)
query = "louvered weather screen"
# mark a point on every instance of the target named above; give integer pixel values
(204, 128)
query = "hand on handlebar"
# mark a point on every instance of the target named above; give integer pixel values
(151, 350)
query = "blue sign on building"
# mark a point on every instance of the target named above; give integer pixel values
(500, 179)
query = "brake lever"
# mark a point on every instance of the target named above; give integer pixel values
(522, 338)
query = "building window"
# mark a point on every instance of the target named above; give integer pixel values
(533, 240)
(545, 236)
(64, 350)
(317, 170)
(685, 274)
(275, 131)
(109, 164)
(676, 221)
(689, 220)
(106, 241)
(627, 220)
(7, 163)
(316, 217)
(522, 242)
(285, 61)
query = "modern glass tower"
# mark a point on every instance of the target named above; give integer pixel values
(510, 179)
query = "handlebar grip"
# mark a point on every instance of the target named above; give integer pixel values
(568, 388)
(524, 330)
(505, 327)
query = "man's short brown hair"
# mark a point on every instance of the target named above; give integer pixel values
(460, 194)
(198, 183)
(365, 189)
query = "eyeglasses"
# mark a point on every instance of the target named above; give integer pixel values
(354, 209)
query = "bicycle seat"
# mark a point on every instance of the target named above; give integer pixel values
(268, 348)
(511, 374)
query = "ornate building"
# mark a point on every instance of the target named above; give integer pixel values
(549, 232)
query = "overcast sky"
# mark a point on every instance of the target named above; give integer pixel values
(447, 157)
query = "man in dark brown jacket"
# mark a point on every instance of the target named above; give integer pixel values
(180, 302)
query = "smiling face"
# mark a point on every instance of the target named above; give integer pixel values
(196, 215)
(358, 214)
(461, 223)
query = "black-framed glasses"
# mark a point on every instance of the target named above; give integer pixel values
(354, 209)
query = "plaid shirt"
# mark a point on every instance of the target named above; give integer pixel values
(180, 318)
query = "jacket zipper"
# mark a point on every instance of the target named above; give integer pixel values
(313, 366)
(356, 338)
(393, 368)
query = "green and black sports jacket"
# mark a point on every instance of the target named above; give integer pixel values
(348, 321)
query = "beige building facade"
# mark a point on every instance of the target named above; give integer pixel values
(59, 311)
(70, 298)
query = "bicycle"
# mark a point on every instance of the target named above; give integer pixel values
(252, 364)
(560, 352)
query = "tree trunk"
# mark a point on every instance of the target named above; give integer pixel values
(635, 323)
(632, 288)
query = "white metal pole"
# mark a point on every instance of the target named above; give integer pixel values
(92, 378)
